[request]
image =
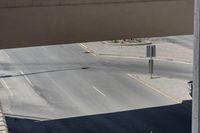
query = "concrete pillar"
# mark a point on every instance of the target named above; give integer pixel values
(196, 72)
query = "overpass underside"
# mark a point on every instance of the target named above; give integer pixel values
(45, 22)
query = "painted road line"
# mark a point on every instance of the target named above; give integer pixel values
(82, 45)
(87, 49)
(98, 91)
(6, 86)
(5, 54)
(153, 88)
(27, 79)
(144, 58)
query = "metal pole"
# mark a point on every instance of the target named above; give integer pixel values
(196, 72)
(150, 62)
(151, 67)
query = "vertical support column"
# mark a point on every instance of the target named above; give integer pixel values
(196, 72)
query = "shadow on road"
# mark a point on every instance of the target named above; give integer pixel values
(165, 119)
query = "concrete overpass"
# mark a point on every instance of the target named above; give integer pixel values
(44, 22)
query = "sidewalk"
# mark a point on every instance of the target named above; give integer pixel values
(165, 50)
(3, 126)
(174, 89)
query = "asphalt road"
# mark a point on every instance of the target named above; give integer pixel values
(73, 91)
(185, 41)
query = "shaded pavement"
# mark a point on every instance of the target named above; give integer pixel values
(149, 120)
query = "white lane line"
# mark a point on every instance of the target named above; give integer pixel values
(98, 91)
(7, 87)
(83, 46)
(93, 54)
(27, 79)
(87, 49)
(6, 54)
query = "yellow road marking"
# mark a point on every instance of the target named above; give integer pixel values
(87, 49)
(153, 88)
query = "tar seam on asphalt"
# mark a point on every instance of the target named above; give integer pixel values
(34, 73)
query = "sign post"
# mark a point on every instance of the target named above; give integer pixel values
(151, 52)
(151, 63)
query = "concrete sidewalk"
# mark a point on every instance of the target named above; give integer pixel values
(167, 51)
(3, 126)
(174, 89)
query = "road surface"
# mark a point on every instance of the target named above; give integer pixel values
(58, 89)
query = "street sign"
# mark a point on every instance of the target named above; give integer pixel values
(151, 51)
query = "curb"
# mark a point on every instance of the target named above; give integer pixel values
(94, 53)
(144, 58)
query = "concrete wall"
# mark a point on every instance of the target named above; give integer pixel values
(44, 22)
